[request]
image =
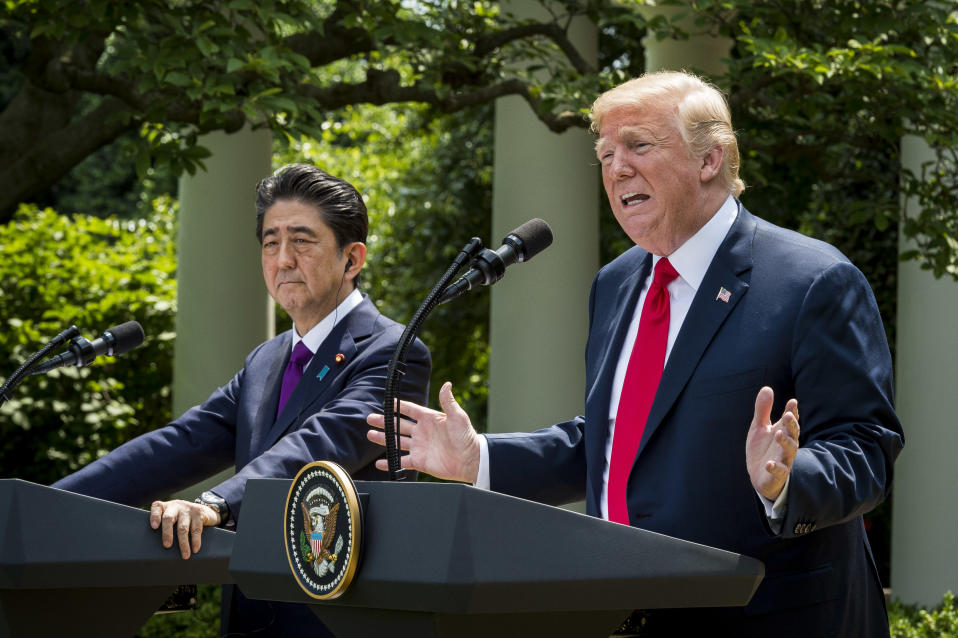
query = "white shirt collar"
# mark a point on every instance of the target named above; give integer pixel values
(692, 259)
(315, 337)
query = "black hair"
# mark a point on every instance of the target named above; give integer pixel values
(338, 202)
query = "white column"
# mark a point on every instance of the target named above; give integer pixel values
(222, 306)
(223, 310)
(539, 311)
(924, 557)
(699, 53)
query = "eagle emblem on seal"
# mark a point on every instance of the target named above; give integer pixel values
(320, 515)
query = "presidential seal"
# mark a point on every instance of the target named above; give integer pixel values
(323, 529)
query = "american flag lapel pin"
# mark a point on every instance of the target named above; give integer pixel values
(723, 295)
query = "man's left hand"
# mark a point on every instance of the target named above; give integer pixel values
(188, 519)
(770, 448)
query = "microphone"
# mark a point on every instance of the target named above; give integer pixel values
(115, 341)
(522, 244)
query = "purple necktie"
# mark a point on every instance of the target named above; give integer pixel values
(294, 372)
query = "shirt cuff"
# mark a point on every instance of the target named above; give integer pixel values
(775, 511)
(482, 477)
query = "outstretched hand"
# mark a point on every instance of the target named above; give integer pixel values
(770, 448)
(443, 444)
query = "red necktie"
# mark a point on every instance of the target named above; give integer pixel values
(641, 381)
(294, 372)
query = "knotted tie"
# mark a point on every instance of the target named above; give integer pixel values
(641, 381)
(294, 372)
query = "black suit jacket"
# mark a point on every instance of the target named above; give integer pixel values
(800, 319)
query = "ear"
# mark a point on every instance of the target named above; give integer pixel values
(355, 258)
(712, 163)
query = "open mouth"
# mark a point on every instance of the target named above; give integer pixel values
(631, 199)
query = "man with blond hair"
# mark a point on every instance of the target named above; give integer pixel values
(707, 341)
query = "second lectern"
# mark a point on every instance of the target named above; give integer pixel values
(451, 560)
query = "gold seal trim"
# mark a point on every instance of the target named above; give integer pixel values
(354, 524)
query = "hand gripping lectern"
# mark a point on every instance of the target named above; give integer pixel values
(72, 565)
(451, 560)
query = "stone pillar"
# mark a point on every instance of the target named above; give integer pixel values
(539, 311)
(924, 557)
(701, 53)
(223, 310)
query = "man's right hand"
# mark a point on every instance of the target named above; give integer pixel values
(443, 444)
(186, 519)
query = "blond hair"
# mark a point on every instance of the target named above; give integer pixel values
(702, 114)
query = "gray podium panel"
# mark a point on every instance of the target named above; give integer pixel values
(451, 560)
(72, 565)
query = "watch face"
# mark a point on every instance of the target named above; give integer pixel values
(212, 501)
(323, 529)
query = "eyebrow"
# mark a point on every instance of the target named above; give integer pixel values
(630, 133)
(293, 230)
(625, 133)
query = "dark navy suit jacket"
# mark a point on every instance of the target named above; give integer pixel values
(802, 320)
(324, 419)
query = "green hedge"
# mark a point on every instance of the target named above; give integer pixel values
(204, 622)
(94, 273)
(912, 621)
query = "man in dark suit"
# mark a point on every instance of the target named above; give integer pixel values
(300, 397)
(715, 325)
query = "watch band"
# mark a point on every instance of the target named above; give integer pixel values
(217, 504)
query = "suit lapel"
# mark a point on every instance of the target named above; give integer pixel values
(268, 388)
(729, 271)
(319, 378)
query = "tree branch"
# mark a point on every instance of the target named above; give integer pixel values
(384, 87)
(48, 159)
(486, 44)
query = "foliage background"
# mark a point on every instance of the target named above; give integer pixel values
(60, 270)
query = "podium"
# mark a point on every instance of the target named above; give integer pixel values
(444, 560)
(72, 565)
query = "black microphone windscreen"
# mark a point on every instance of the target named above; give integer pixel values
(127, 336)
(535, 235)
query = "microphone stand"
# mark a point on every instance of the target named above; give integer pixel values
(24, 370)
(397, 365)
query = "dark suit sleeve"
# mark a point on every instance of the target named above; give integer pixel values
(547, 466)
(337, 432)
(843, 382)
(152, 466)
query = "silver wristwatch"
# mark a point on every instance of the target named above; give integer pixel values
(217, 503)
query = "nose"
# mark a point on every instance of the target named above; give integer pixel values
(287, 257)
(620, 167)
